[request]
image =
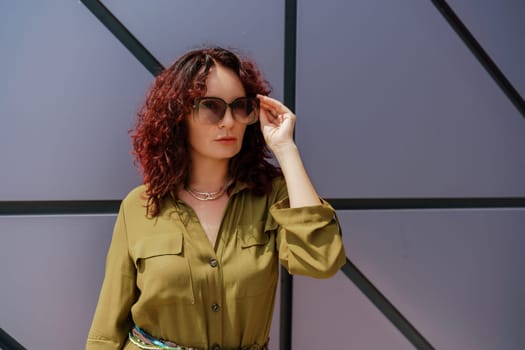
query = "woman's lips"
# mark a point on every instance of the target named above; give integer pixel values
(226, 140)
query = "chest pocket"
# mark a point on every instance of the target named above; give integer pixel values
(257, 271)
(163, 270)
(250, 236)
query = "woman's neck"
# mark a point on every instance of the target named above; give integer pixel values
(208, 175)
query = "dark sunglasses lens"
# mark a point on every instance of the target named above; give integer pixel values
(246, 110)
(211, 110)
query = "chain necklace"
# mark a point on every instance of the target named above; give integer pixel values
(207, 196)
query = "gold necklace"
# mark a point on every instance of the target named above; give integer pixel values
(207, 196)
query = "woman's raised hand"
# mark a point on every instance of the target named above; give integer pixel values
(277, 123)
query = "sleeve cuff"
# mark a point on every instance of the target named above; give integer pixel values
(320, 214)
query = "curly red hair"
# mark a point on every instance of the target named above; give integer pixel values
(160, 136)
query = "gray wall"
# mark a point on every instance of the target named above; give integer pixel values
(390, 104)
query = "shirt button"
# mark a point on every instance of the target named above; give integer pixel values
(215, 307)
(216, 347)
(213, 262)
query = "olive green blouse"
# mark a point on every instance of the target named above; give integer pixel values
(163, 274)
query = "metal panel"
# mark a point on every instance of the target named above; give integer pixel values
(500, 29)
(170, 28)
(391, 103)
(334, 314)
(456, 275)
(68, 95)
(52, 270)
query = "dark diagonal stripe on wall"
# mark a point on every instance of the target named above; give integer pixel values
(9, 343)
(124, 36)
(385, 306)
(482, 56)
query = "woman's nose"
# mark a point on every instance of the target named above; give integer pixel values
(228, 120)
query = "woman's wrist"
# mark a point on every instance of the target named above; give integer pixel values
(284, 150)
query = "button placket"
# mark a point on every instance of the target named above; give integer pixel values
(216, 297)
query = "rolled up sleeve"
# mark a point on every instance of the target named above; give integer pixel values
(309, 239)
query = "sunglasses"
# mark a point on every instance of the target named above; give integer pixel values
(211, 110)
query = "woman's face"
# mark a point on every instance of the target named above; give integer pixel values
(222, 140)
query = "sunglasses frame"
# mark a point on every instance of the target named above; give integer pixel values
(197, 101)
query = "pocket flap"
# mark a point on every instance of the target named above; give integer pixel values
(251, 235)
(156, 245)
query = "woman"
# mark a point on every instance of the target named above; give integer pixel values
(193, 263)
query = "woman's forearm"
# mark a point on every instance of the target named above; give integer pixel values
(301, 191)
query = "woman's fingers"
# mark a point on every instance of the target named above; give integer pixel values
(273, 105)
(267, 117)
(275, 113)
(277, 122)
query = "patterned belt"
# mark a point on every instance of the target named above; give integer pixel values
(143, 340)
